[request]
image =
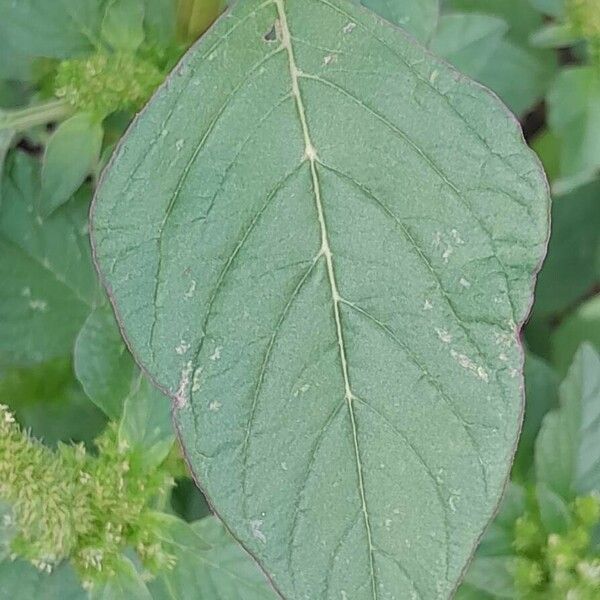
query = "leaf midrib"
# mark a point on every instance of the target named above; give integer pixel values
(325, 252)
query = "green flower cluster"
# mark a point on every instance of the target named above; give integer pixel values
(559, 566)
(105, 83)
(584, 19)
(89, 508)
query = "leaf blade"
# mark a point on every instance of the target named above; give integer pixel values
(267, 295)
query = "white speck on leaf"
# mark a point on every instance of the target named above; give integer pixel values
(181, 397)
(434, 75)
(456, 237)
(38, 305)
(465, 282)
(448, 252)
(197, 380)
(216, 355)
(466, 363)
(284, 466)
(191, 289)
(349, 28)
(427, 304)
(179, 144)
(329, 59)
(443, 335)
(255, 528)
(183, 347)
(26, 292)
(214, 406)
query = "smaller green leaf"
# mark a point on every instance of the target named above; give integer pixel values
(468, 41)
(38, 28)
(71, 154)
(573, 254)
(554, 8)
(492, 575)
(127, 583)
(547, 147)
(554, 36)
(419, 17)
(103, 364)
(554, 511)
(567, 453)
(581, 326)
(48, 401)
(21, 581)
(159, 22)
(499, 536)
(574, 117)
(146, 423)
(48, 283)
(6, 138)
(541, 396)
(123, 24)
(210, 566)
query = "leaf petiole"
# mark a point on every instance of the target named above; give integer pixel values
(21, 119)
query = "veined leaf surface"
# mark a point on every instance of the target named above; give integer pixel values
(321, 240)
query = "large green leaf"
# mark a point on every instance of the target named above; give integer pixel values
(48, 283)
(309, 238)
(567, 453)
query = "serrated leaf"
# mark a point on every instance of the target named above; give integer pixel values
(210, 566)
(419, 17)
(328, 280)
(49, 286)
(567, 454)
(71, 154)
(123, 24)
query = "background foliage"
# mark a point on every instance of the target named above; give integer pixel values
(72, 74)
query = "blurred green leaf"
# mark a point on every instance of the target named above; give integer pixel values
(146, 423)
(554, 36)
(492, 575)
(554, 511)
(103, 364)
(518, 73)
(541, 395)
(419, 17)
(567, 452)
(574, 118)
(114, 383)
(572, 266)
(123, 24)
(210, 566)
(547, 147)
(71, 155)
(127, 584)
(581, 326)
(159, 22)
(468, 41)
(47, 400)
(48, 282)
(21, 581)
(38, 28)
(554, 8)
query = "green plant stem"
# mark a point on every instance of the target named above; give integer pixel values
(22, 119)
